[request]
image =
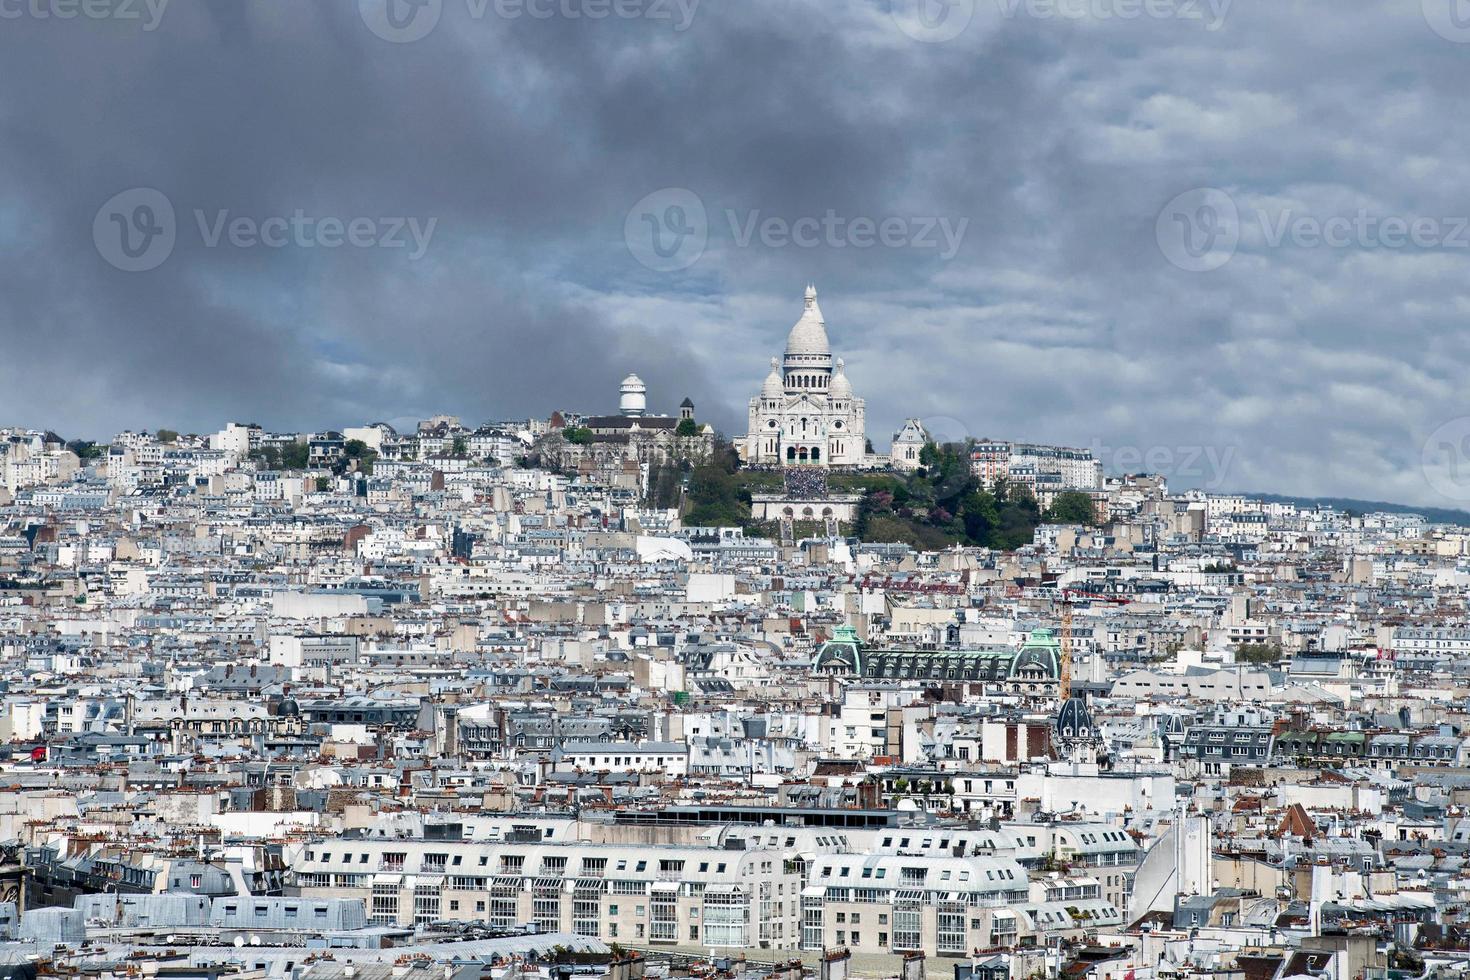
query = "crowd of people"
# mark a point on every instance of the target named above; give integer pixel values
(806, 483)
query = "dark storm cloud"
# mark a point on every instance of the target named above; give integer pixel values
(1055, 132)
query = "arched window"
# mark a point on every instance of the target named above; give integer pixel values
(816, 454)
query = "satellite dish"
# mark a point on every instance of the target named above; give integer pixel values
(239, 941)
(255, 940)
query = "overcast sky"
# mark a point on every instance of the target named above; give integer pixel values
(1224, 240)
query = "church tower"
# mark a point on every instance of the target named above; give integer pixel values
(634, 401)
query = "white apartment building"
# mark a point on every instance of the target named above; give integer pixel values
(669, 758)
(882, 903)
(635, 894)
(1050, 468)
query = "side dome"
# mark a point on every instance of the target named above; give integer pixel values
(841, 387)
(773, 387)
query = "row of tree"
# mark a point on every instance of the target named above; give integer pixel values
(939, 504)
(942, 502)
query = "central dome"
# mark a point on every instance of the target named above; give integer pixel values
(808, 339)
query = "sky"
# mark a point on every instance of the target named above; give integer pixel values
(1225, 240)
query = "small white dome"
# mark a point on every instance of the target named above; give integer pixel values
(774, 387)
(840, 387)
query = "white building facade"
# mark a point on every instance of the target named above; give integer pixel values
(806, 413)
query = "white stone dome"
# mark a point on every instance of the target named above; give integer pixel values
(774, 387)
(840, 387)
(809, 337)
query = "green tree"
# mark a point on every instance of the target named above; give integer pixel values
(360, 455)
(459, 447)
(294, 456)
(577, 436)
(1071, 507)
(1258, 653)
(716, 497)
(1016, 525)
(166, 435)
(85, 449)
(323, 484)
(664, 485)
(687, 428)
(980, 515)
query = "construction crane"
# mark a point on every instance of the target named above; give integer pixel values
(1064, 687)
